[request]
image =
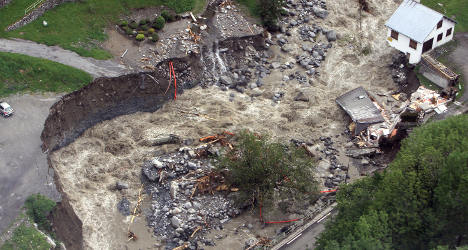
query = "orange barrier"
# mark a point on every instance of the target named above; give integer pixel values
(172, 73)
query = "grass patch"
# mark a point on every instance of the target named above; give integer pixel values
(252, 6)
(457, 8)
(20, 73)
(26, 237)
(79, 26)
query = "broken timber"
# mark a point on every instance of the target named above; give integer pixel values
(448, 73)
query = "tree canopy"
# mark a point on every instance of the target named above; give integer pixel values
(261, 169)
(419, 202)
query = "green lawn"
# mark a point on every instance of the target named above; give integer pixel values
(20, 73)
(457, 8)
(79, 26)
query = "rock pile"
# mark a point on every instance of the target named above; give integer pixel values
(176, 209)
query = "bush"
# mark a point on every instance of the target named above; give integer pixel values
(128, 31)
(123, 23)
(262, 169)
(133, 25)
(155, 37)
(38, 208)
(159, 23)
(151, 30)
(144, 27)
(270, 11)
(140, 37)
(144, 21)
(167, 16)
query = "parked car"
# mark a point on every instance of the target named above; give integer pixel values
(5, 109)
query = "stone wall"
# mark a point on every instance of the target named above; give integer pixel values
(33, 15)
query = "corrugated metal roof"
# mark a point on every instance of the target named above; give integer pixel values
(414, 20)
(360, 107)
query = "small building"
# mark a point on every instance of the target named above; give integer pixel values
(415, 29)
(360, 108)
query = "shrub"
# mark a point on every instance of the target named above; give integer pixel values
(167, 16)
(144, 21)
(155, 37)
(123, 23)
(151, 30)
(144, 27)
(159, 23)
(128, 31)
(140, 37)
(38, 208)
(270, 11)
(262, 169)
(133, 25)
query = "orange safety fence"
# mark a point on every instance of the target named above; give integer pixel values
(172, 73)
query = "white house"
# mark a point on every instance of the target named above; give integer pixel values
(415, 29)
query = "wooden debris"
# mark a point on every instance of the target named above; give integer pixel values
(195, 231)
(181, 247)
(136, 212)
(150, 67)
(194, 36)
(222, 138)
(263, 241)
(131, 236)
(193, 17)
(124, 53)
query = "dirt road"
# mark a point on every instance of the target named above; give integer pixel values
(460, 57)
(97, 68)
(23, 166)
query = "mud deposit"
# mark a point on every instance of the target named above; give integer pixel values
(97, 137)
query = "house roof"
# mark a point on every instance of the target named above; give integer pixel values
(360, 107)
(414, 20)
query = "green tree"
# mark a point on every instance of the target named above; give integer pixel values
(420, 202)
(260, 167)
(270, 11)
(38, 208)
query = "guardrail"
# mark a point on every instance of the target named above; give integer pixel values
(32, 6)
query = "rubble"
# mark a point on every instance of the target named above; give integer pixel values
(185, 198)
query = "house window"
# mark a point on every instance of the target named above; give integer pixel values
(413, 44)
(394, 35)
(439, 37)
(439, 24)
(449, 32)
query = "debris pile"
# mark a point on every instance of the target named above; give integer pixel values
(186, 195)
(427, 100)
(372, 121)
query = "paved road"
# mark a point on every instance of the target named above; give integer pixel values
(307, 239)
(97, 68)
(23, 166)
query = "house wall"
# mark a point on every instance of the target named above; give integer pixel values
(446, 24)
(402, 44)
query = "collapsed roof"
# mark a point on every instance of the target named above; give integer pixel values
(360, 107)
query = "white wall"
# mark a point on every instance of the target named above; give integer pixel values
(402, 44)
(446, 24)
